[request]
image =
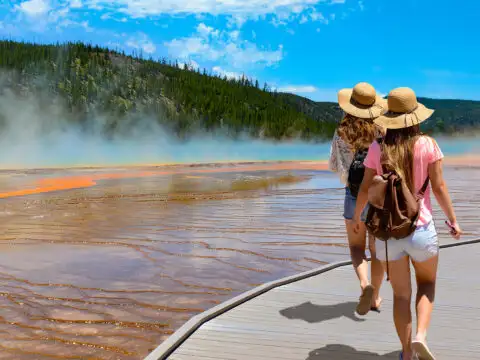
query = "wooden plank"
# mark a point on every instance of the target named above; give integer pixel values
(311, 317)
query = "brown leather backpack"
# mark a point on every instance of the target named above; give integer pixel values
(394, 210)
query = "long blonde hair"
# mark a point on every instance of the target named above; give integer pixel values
(358, 133)
(398, 153)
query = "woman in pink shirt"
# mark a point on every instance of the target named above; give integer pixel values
(413, 157)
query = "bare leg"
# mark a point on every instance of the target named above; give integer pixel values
(426, 275)
(377, 271)
(357, 243)
(402, 295)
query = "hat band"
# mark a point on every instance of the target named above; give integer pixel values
(411, 112)
(403, 112)
(356, 103)
(369, 108)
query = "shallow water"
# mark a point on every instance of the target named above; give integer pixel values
(109, 271)
(67, 151)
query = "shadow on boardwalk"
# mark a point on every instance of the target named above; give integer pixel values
(344, 352)
(312, 313)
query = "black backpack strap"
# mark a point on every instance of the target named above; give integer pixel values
(422, 191)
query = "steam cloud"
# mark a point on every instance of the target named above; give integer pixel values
(36, 134)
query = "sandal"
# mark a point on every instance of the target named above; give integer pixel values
(377, 308)
(365, 301)
(422, 351)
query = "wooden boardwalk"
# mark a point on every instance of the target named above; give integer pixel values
(311, 317)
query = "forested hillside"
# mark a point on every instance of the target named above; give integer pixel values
(89, 82)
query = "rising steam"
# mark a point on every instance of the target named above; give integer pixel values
(35, 133)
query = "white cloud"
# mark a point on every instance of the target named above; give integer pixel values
(70, 23)
(277, 22)
(141, 42)
(34, 8)
(208, 44)
(57, 15)
(76, 4)
(206, 31)
(191, 65)
(235, 8)
(44, 15)
(234, 35)
(110, 16)
(236, 21)
(193, 46)
(314, 16)
(237, 12)
(229, 74)
(279, 12)
(310, 91)
(94, 5)
(318, 16)
(298, 89)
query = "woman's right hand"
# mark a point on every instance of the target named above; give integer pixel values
(455, 231)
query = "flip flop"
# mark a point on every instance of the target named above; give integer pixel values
(422, 351)
(365, 301)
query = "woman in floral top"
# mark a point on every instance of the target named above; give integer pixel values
(356, 132)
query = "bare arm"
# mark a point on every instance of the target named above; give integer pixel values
(439, 189)
(362, 197)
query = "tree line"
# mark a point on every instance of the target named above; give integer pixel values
(91, 80)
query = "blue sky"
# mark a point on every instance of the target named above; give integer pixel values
(309, 47)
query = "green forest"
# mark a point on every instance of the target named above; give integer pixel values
(89, 81)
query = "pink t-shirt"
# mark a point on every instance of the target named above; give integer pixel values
(426, 152)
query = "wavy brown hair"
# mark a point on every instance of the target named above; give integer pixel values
(398, 153)
(358, 133)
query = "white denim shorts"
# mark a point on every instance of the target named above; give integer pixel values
(420, 246)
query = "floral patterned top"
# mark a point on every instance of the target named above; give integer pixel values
(341, 156)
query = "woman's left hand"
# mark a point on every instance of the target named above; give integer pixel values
(356, 225)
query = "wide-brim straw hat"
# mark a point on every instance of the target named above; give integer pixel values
(403, 110)
(362, 101)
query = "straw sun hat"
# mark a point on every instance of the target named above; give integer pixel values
(403, 110)
(362, 101)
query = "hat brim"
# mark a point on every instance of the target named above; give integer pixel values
(373, 111)
(391, 120)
